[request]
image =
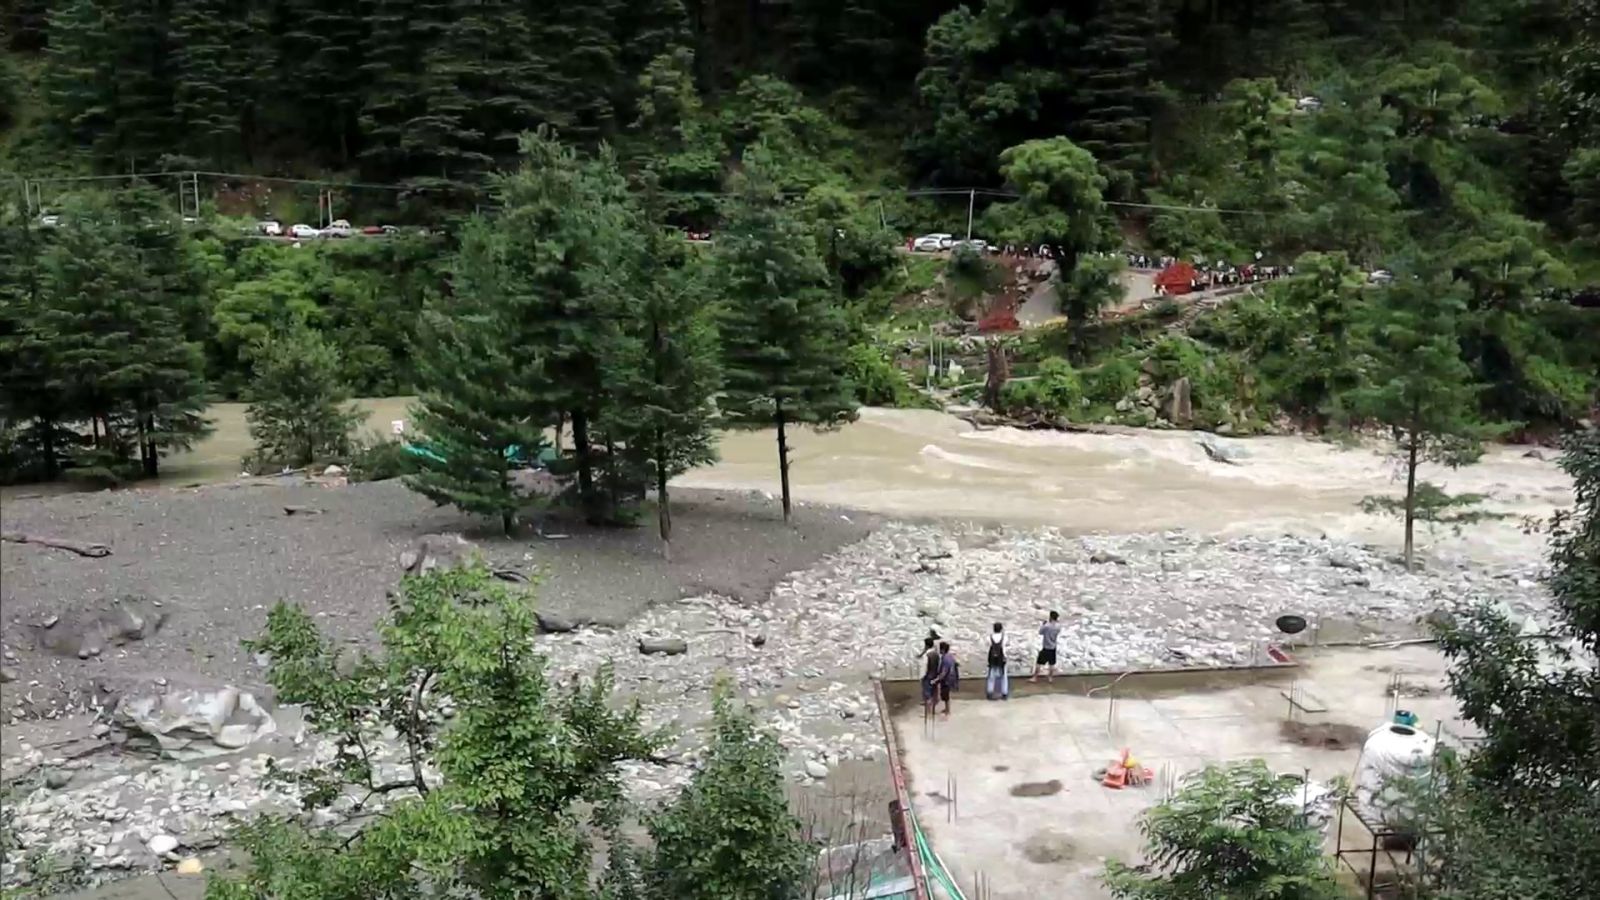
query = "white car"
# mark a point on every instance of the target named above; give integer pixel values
(981, 246)
(932, 243)
(270, 228)
(303, 231)
(338, 228)
(49, 220)
(1308, 104)
(1380, 276)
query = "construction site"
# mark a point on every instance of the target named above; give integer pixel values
(1031, 796)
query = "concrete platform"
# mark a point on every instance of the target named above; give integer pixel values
(980, 782)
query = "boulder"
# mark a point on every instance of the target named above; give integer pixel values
(663, 646)
(816, 769)
(162, 844)
(1104, 556)
(553, 624)
(192, 722)
(8, 674)
(1221, 451)
(439, 551)
(86, 630)
(1178, 408)
(333, 471)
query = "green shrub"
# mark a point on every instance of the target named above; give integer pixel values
(878, 382)
(1055, 390)
(381, 460)
(1111, 380)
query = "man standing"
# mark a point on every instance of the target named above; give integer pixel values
(930, 673)
(948, 675)
(1048, 632)
(998, 685)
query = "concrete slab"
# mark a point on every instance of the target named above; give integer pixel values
(1008, 826)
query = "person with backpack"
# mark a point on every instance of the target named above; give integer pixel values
(998, 684)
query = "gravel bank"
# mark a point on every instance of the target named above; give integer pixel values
(218, 557)
(804, 655)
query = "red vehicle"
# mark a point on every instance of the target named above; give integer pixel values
(1178, 278)
(372, 229)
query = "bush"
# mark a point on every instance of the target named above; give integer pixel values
(1055, 390)
(1111, 381)
(297, 413)
(879, 382)
(381, 460)
(1227, 833)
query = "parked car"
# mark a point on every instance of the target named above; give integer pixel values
(338, 228)
(49, 220)
(371, 229)
(270, 227)
(1380, 276)
(303, 231)
(981, 246)
(388, 229)
(1308, 104)
(932, 243)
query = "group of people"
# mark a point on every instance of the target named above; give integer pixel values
(941, 673)
(1224, 274)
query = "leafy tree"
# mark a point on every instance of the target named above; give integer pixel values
(1228, 833)
(730, 833)
(784, 344)
(1415, 384)
(297, 413)
(33, 394)
(500, 803)
(664, 371)
(1338, 174)
(478, 403)
(1062, 206)
(1508, 812)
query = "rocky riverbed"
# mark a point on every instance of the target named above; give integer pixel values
(805, 656)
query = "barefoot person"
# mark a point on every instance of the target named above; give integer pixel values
(1048, 633)
(998, 685)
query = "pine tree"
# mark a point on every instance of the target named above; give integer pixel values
(477, 387)
(784, 344)
(558, 216)
(324, 42)
(1415, 383)
(649, 30)
(580, 68)
(208, 82)
(32, 398)
(1113, 89)
(115, 330)
(298, 412)
(664, 372)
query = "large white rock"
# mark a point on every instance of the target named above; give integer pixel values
(195, 722)
(162, 844)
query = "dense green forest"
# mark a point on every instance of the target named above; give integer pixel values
(1454, 142)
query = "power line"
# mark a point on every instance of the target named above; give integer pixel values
(404, 188)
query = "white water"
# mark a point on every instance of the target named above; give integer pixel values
(919, 463)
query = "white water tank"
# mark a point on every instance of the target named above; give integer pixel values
(1393, 753)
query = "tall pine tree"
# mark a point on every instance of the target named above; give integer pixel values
(476, 387)
(784, 342)
(664, 372)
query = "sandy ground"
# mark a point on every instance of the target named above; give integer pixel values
(219, 557)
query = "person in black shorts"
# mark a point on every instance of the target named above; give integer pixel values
(930, 671)
(1049, 632)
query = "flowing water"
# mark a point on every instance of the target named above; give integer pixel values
(923, 463)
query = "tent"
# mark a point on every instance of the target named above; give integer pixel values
(1178, 278)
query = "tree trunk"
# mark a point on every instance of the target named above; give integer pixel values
(783, 461)
(663, 504)
(1411, 494)
(580, 446)
(47, 445)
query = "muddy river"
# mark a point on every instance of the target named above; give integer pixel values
(920, 463)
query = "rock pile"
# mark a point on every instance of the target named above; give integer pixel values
(804, 658)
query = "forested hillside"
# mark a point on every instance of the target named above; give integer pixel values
(1449, 142)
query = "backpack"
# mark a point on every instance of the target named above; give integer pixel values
(997, 652)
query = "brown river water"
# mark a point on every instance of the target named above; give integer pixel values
(920, 463)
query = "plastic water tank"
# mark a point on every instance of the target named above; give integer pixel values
(1393, 753)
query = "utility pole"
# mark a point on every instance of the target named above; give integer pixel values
(972, 199)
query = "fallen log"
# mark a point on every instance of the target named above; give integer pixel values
(89, 549)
